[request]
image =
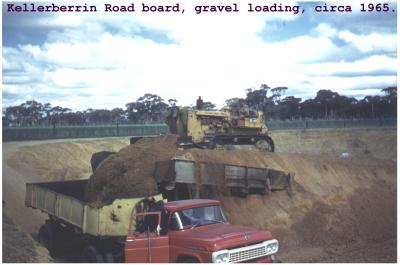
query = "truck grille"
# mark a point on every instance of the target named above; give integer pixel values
(247, 254)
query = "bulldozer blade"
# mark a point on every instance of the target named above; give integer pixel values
(186, 142)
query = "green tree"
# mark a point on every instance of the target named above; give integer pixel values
(148, 108)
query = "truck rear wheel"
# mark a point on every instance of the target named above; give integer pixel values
(91, 255)
(48, 238)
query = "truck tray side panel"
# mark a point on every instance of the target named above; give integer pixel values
(257, 178)
(109, 220)
(55, 204)
(235, 176)
(37, 197)
(91, 221)
(184, 171)
(70, 209)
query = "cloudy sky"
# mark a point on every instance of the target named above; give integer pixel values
(105, 60)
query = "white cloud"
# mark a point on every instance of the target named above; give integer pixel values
(216, 56)
(351, 85)
(370, 42)
(370, 65)
(325, 29)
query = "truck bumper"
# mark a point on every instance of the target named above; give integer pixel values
(266, 259)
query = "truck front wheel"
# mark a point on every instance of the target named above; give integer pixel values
(91, 255)
(188, 260)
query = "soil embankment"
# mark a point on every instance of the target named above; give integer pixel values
(373, 142)
(19, 246)
(61, 160)
(341, 203)
(33, 161)
(337, 203)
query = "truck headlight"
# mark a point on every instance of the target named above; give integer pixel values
(272, 247)
(220, 256)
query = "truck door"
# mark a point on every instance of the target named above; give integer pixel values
(146, 242)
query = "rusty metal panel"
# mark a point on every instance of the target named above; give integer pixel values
(279, 180)
(235, 176)
(184, 172)
(256, 178)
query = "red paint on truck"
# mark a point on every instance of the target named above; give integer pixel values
(196, 231)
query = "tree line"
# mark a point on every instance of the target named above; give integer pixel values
(151, 108)
(325, 105)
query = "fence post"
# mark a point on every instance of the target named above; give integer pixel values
(117, 129)
(54, 130)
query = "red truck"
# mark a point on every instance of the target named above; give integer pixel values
(178, 231)
(192, 231)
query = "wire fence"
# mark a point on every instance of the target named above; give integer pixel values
(314, 124)
(117, 130)
(87, 131)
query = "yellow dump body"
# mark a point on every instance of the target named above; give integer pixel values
(63, 200)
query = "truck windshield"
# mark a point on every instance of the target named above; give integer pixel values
(190, 218)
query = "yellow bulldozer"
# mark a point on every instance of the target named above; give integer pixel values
(225, 129)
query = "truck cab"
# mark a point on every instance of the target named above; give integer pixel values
(191, 231)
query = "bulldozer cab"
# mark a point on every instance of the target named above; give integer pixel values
(249, 119)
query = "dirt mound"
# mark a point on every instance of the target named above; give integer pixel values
(337, 202)
(61, 161)
(343, 209)
(129, 173)
(19, 247)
